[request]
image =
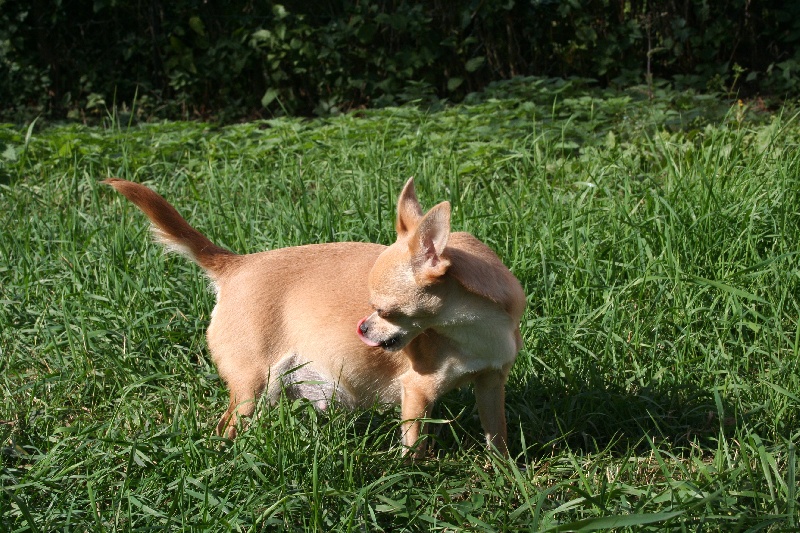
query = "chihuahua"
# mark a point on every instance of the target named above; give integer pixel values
(358, 322)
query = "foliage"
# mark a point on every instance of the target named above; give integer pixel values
(191, 58)
(658, 388)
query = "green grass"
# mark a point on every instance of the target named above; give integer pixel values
(659, 384)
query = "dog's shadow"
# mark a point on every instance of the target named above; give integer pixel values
(547, 417)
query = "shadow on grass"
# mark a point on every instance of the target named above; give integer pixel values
(546, 418)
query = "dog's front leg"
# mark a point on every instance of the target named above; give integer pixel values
(417, 401)
(490, 395)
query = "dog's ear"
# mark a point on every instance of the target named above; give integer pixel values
(428, 242)
(409, 212)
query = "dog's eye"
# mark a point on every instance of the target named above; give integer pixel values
(385, 314)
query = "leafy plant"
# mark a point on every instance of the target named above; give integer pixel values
(194, 59)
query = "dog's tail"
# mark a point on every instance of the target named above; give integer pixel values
(172, 230)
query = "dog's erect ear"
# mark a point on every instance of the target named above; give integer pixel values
(409, 212)
(428, 242)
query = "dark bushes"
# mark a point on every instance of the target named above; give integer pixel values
(197, 58)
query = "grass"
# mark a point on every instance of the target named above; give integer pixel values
(659, 384)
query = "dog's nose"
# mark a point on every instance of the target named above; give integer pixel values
(361, 331)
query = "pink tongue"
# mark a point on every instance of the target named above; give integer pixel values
(361, 335)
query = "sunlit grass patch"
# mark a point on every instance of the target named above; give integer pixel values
(658, 386)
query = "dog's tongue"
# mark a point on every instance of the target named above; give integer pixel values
(361, 335)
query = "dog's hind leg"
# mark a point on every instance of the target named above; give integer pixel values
(244, 389)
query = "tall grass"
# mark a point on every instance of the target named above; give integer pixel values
(658, 387)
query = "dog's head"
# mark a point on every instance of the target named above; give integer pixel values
(406, 293)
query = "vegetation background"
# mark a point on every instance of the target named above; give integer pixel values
(243, 59)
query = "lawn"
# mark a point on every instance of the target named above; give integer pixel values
(657, 239)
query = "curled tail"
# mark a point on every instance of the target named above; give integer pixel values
(172, 230)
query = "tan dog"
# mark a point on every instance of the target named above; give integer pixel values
(442, 311)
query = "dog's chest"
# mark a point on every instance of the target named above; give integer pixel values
(456, 352)
(474, 349)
